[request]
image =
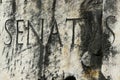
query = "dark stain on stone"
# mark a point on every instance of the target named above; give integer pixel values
(39, 4)
(25, 1)
(14, 6)
(91, 34)
(41, 57)
(94, 41)
(53, 10)
(46, 62)
(106, 45)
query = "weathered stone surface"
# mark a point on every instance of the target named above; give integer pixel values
(59, 39)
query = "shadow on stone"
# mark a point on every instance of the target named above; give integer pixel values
(70, 78)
